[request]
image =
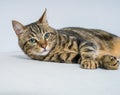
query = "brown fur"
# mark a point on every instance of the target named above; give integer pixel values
(92, 48)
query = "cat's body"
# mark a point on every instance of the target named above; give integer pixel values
(72, 38)
(91, 48)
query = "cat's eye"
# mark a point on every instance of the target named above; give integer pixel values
(47, 35)
(32, 40)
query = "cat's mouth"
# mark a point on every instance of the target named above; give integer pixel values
(42, 53)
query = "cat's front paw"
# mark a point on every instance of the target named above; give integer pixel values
(89, 64)
(109, 62)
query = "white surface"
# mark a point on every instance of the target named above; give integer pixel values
(101, 14)
(20, 75)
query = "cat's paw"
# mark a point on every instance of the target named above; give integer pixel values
(109, 62)
(89, 64)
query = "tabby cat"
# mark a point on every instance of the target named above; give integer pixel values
(91, 48)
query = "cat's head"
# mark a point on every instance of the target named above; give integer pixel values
(35, 39)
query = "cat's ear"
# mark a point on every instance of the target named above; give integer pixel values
(18, 27)
(43, 19)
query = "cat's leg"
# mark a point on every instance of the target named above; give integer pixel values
(88, 56)
(109, 62)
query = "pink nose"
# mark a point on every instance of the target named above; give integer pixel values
(44, 46)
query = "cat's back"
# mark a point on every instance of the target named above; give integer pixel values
(88, 33)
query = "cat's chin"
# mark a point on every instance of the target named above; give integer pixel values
(44, 53)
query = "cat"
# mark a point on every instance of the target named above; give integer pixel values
(91, 48)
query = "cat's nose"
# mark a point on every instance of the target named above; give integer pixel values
(44, 46)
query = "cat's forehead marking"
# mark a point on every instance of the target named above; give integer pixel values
(33, 28)
(36, 30)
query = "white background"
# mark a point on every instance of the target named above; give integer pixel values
(21, 76)
(101, 14)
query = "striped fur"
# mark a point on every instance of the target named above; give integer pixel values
(92, 48)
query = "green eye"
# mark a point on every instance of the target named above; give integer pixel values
(46, 36)
(32, 40)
